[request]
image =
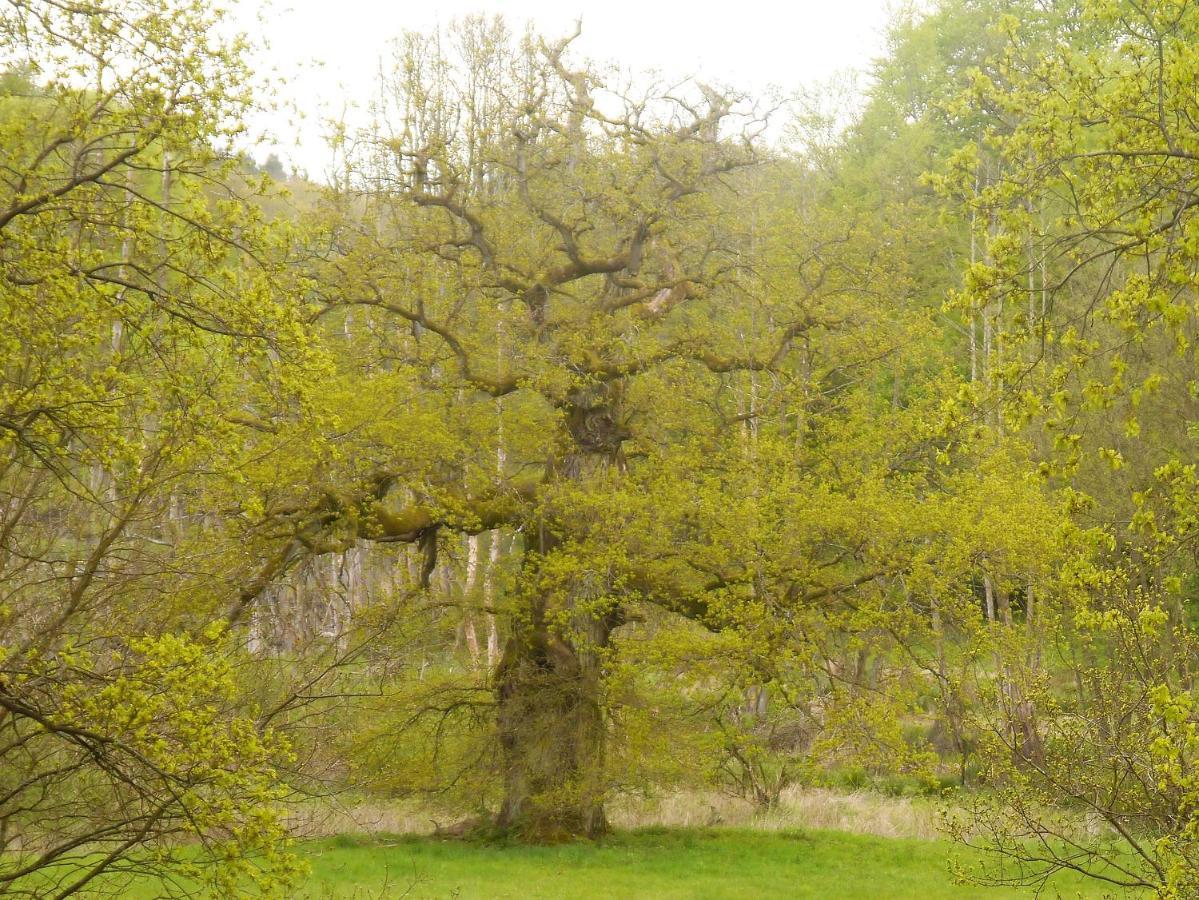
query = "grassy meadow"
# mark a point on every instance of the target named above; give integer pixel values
(659, 863)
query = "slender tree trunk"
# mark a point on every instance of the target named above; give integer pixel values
(973, 314)
(493, 547)
(489, 576)
(1022, 726)
(472, 572)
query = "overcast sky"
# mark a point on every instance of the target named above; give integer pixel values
(327, 51)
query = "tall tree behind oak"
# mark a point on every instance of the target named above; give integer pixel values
(1091, 253)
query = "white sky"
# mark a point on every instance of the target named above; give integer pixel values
(327, 51)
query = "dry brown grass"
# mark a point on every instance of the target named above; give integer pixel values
(860, 812)
(332, 817)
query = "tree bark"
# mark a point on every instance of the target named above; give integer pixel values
(551, 729)
(550, 679)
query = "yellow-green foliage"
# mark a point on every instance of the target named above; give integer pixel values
(145, 736)
(153, 353)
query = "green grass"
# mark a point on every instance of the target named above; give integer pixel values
(654, 863)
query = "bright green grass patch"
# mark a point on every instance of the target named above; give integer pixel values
(654, 863)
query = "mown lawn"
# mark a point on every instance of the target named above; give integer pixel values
(654, 863)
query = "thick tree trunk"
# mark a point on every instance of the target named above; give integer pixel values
(549, 681)
(551, 729)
